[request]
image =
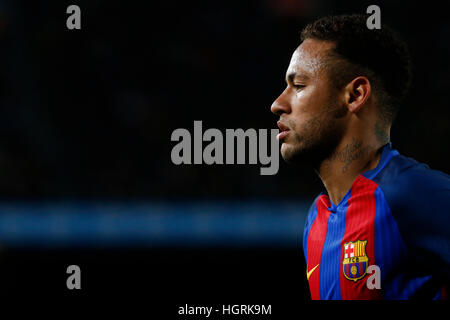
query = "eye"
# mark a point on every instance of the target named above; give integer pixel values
(298, 87)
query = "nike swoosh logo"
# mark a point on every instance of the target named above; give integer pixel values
(308, 274)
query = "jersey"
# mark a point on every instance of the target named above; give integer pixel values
(395, 218)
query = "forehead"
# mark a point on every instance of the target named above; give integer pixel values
(309, 58)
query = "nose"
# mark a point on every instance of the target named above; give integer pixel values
(281, 104)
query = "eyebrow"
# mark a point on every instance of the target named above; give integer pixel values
(291, 76)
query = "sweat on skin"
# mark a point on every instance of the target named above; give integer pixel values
(213, 153)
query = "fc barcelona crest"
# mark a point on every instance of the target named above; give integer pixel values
(355, 261)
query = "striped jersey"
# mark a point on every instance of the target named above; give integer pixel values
(394, 223)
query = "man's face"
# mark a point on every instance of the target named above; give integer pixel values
(311, 109)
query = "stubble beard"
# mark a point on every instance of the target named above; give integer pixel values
(319, 139)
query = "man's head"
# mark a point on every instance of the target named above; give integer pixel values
(343, 75)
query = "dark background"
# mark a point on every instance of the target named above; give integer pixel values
(88, 114)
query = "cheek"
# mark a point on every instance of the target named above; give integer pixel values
(309, 102)
(312, 128)
(305, 115)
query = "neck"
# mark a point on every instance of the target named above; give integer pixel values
(352, 157)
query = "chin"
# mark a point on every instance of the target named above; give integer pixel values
(288, 152)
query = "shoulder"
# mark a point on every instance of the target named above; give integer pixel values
(413, 186)
(419, 201)
(312, 213)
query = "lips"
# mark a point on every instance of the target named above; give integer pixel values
(284, 131)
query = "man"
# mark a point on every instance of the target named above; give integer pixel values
(344, 86)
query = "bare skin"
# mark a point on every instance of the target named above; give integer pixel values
(338, 131)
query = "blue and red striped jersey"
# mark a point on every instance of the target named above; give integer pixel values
(396, 217)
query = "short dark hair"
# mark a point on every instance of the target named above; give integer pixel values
(378, 54)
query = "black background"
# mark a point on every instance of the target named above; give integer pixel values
(88, 114)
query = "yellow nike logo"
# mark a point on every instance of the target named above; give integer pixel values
(308, 274)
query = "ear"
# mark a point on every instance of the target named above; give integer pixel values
(357, 93)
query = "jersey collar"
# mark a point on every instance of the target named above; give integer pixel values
(387, 154)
